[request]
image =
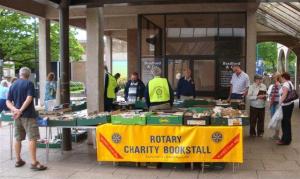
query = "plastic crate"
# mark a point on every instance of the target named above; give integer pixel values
(53, 123)
(93, 121)
(53, 145)
(140, 105)
(76, 136)
(175, 165)
(214, 166)
(134, 120)
(164, 120)
(219, 121)
(79, 107)
(6, 117)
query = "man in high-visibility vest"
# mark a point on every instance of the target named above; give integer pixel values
(110, 90)
(158, 92)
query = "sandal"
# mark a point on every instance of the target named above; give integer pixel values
(20, 163)
(38, 167)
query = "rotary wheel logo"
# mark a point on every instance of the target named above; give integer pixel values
(159, 91)
(217, 137)
(116, 138)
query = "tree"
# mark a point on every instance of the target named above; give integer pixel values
(76, 49)
(17, 40)
(292, 63)
(268, 52)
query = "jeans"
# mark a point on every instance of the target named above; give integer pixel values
(3, 105)
(236, 96)
(286, 123)
(273, 108)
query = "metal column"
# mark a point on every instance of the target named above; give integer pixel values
(64, 65)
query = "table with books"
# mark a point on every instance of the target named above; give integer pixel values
(135, 127)
(213, 115)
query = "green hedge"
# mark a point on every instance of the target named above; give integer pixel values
(76, 86)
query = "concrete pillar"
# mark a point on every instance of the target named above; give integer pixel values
(286, 61)
(108, 53)
(132, 51)
(251, 42)
(44, 55)
(94, 64)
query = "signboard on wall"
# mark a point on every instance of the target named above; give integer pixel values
(148, 66)
(225, 74)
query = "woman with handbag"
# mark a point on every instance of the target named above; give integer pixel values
(288, 94)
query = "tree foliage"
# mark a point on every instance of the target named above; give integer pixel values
(17, 40)
(268, 52)
(292, 63)
(76, 50)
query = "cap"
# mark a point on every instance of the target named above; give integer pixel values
(257, 77)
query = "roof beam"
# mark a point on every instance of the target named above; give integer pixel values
(31, 7)
(279, 19)
(148, 2)
(293, 6)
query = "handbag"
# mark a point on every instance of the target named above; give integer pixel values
(291, 96)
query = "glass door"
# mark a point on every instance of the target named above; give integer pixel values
(175, 70)
(204, 74)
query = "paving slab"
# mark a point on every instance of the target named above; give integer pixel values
(54, 174)
(278, 174)
(143, 172)
(184, 174)
(94, 175)
(280, 165)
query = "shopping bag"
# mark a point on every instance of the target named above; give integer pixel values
(276, 119)
(50, 104)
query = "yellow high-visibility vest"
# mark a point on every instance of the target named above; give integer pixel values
(112, 84)
(158, 90)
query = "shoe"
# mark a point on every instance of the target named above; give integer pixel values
(281, 143)
(276, 138)
(260, 135)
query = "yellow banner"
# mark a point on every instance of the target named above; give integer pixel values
(135, 143)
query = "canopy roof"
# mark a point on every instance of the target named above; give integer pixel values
(280, 16)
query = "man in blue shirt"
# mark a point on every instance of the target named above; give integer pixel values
(20, 102)
(186, 86)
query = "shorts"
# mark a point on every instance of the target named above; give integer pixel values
(26, 126)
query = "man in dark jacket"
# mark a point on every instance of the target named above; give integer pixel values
(186, 86)
(134, 89)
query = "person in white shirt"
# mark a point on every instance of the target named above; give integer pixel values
(257, 98)
(287, 109)
(239, 83)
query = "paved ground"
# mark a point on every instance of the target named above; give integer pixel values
(263, 160)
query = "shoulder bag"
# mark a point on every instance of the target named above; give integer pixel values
(291, 96)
